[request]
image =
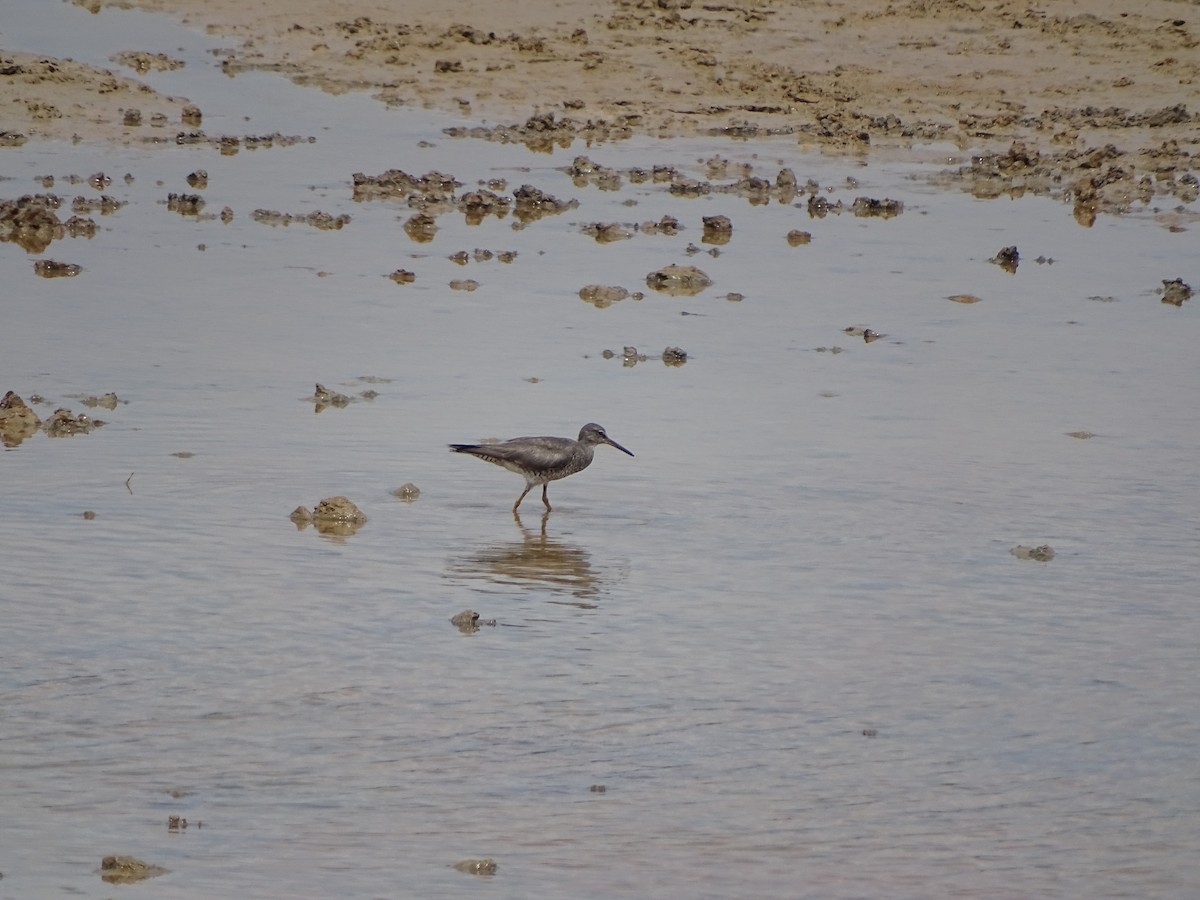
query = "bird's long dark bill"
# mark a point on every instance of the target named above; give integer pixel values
(613, 443)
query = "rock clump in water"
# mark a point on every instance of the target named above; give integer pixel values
(127, 870)
(65, 423)
(17, 421)
(678, 280)
(1008, 259)
(49, 268)
(1043, 553)
(1175, 291)
(601, 295)
(334, 515)
(477, 866)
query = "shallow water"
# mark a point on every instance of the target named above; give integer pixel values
(807, 546)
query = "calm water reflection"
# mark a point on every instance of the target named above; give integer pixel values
(536, 561)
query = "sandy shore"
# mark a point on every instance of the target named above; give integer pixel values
(1098, 88)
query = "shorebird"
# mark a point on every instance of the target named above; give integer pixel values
(540, 460)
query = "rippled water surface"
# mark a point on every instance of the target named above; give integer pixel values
(788, 637)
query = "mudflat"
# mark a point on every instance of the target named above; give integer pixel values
(1065, 78)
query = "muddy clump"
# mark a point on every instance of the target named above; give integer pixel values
(607, 232)
(323, 398)
(322, 220)
(964, 298)
(1175, 291)
(421, 228)
(336, 516)
(127, 870)
(881, 209)
(531, 204)
(17, 421)
(543, 132)
(80, 226)
(717, 230)
(408, 492)
(104, 401)
(31, 222)
(869, 335)
(396, 184)
(1008, 259)
(185, 204)
(797, 238)
(477, 866)
(584, 172)
(143, 62)
(482, 255)
(1095, 180)
(468, 622)
(104, 204)
(602, 296)
(65, 423)
(49, 268)
(674, 356)
(668, 225)
(685, 281)
(403, 276)
(478, 205)
(1044, 553)
(630, 356)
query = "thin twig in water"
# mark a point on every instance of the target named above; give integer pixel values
(127, 480)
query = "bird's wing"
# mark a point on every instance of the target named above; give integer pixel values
(530, 452)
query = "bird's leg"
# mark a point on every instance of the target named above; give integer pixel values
(544, 498)
(522, 497)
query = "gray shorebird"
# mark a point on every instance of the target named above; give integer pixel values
(540, 460)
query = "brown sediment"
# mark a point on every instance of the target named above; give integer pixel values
(1091, 102)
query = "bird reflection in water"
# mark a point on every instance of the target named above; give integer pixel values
(534, 561)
